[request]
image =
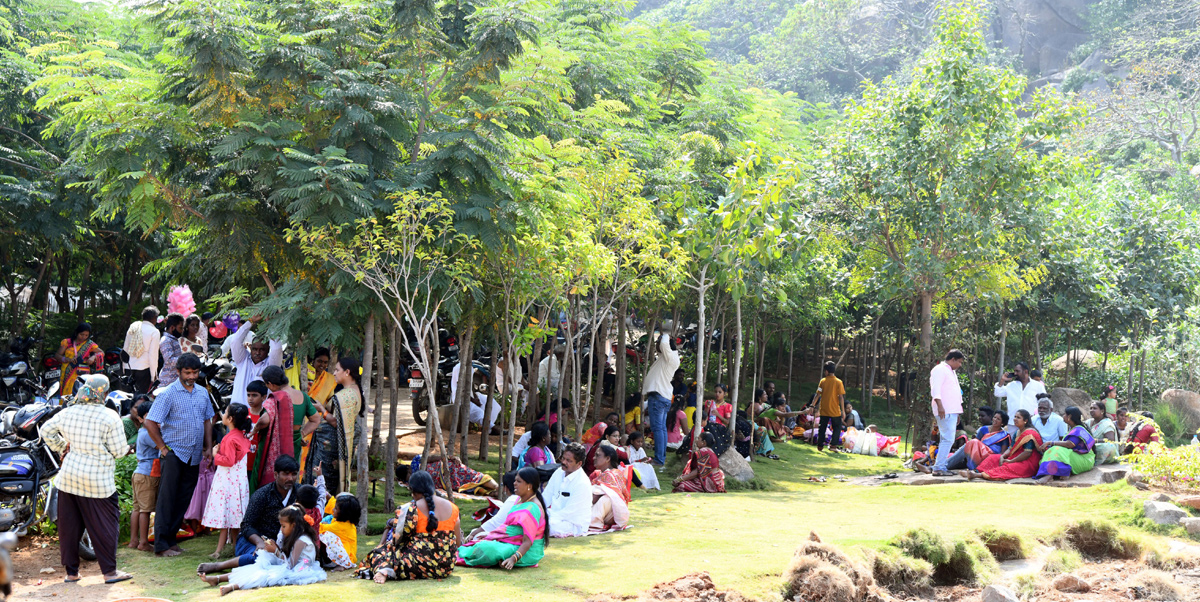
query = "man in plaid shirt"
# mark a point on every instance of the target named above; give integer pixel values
(171, 349)
(180, 424)
(92, 438)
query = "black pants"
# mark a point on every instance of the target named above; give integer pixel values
(836, 440)
(175, 490)
(141, 381)
(958, 459)
(101, 517)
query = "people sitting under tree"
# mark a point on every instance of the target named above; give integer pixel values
(423, 541)
(569, 494)
(1137, 430)
(1072, 455)
(261, 521)
(522, 540)
(1022, 459)
(1105, 431)
(612, 486)
(454, 473)
(612, 438)
(702, 473)
(1048, 424)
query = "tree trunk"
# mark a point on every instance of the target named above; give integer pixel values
(493, 382)
(465, 387)
(1142, 382)
(23, 316)
(381, 370)
(619, 386)
(84, 283)
(389, 456)
(926, 299)
(361, 444)
(874, 366)
(1000, 363)
(737, 362)
(598, 364)
(791, 361)
(698, 417)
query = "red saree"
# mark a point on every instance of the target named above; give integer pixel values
(710, 479)
(1024, 469)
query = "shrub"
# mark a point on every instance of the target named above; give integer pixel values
(1026, 586)
(813, 580)
(1062, 561)
(960, 561)
(926, 545)
(899, 573)
(1159, 557)
(1177, 468)
(1155, 585)
(1004, 545)
(1098, 539)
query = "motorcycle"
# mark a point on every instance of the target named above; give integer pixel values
(17, 385)
(447, 358)
(27, 469)
(115, 362)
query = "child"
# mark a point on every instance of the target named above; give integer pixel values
(640, 461)
(309, 499)
(339, 531)
(145, 484)
(230, 492)
(291, 561)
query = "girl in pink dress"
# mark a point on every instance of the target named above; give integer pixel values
(230, 491)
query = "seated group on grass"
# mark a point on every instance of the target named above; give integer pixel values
(1043, 447)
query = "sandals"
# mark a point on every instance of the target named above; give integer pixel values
(121, 576)
(943, 473)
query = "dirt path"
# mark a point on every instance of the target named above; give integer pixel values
(30, 583)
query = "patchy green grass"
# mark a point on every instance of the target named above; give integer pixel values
(744, 539)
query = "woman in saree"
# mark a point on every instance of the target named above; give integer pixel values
(612, 438)
(79, 356)
(322, 383)
(521, 540)
(1105, 432)
(994, 441)
(272, 437)
(461, 478)
(1021, 461)
(304, 412)
(423, 546)
(333, 441)
(612, 486)
(702, 473)
(1072, 455)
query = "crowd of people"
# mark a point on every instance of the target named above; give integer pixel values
(271, 474)
(1027, 439)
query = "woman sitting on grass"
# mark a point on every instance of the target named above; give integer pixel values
(522, 540)
(611, 491)
(1105, 432)
(1021, 461)
(611, 438)
(975, 451)
(702, 473)
(1072, 455)
(423, 547)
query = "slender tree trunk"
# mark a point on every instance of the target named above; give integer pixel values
(23, 316)
(926, 299)
(493, 382)
(698, 417)
(380, 369)
(84, 283)
(367, 395)
(1000, 363)
(619, 386)
(596, 369)
(465, 387)
(1142, 382)
(389, 456)
(791, 362)
(737, 362)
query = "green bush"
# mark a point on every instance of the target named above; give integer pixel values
(1062, 561)
(960, 561)
(1098, 539)
(1026, 586)
(1004, 545)
(899, 573)
(124, 477)
(926, 545)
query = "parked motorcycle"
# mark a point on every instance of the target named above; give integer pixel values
(17, 383)
(27, 467)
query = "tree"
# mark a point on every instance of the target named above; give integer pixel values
(939, 180)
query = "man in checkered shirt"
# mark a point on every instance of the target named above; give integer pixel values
(180, 424)
(92, 437)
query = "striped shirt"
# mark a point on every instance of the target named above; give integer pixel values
(97, 439)
(181, 414)
(171, 350)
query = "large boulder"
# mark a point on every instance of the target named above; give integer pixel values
(735, 466)
(1164, 513)
(1082, 357)
(1064, 398)
(1186, 403)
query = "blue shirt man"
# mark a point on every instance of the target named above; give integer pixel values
(1048, 424)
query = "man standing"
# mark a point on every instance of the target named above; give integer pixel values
(171, 349)
(656, 390)
(1048, 424)
(180, 424)
(947, 405)
(141, 344)
(832, 408)
(250, 364)
(1021, 392)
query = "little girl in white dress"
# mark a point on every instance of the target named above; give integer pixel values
(293, 561)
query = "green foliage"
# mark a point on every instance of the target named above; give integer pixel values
(1062, 561)
(1177, 468)
(964, 560)
(925, 545)
(901, 573)
(1097, 539)
(124, 477)
(1026, 586)
(1003, 544)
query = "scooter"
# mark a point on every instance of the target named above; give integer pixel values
(17, 385)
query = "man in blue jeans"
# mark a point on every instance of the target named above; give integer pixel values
(261, 521)
(656, 390)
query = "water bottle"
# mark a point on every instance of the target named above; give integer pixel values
(1195, 440)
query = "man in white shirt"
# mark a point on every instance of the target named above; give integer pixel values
(1020, 393)
(549, 371)
(141, 344)
(251, 363)
(569, 495)
(657, 391)
(1048, 424)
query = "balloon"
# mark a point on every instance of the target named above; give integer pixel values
(218, 330)
(232, 321)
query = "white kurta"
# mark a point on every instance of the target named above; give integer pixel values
(645, 470)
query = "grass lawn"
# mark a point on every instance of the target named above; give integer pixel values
(744, 538)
